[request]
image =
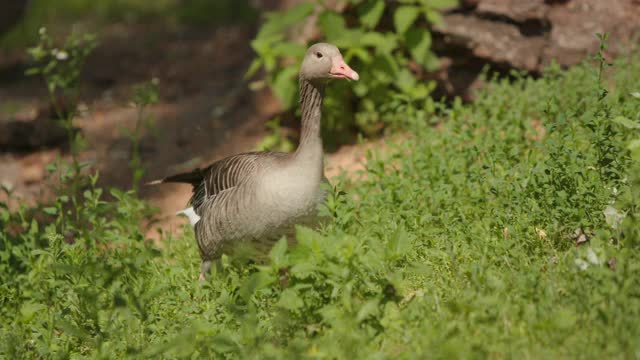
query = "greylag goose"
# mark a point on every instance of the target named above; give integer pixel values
(260, 196)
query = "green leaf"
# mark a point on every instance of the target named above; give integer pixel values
(634, 147)
(564, 319)
(29, 310)
(371, 13)
(349, 38)
(442, 4)
(32, 71)
(290, 300)
(418, 41)
(255, 65)
(399, 243)
(296, 13)
(51, 168)
(278, 252)
(361, 54)
(433, 17)
(405, 80)
(626, 122)
(332, 25)
(404, 17)
(254, 283)
(50, 210)
(224, 343)
(281, 20)
(72, 330)
(289, 49)
(383, 43)
(264, 44)
(284, 86)
(370, 308)
(303, 269)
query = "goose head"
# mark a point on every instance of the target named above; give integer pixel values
(323, 62)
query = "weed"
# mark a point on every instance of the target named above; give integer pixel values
(145, 95)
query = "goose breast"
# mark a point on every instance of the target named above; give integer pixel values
(291, 194)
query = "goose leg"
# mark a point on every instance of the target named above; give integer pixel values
(205, 268)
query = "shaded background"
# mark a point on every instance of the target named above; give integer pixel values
(199, 51)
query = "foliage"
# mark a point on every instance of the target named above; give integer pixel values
(144, 95)
(59, 67)
(72, 257)
(276, 140)
(88, 13)
(379, 39)
(458, 243)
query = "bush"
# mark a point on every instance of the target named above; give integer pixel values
(380, 39)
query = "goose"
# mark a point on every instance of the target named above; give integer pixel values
(261, 196)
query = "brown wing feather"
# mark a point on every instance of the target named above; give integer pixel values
(219, 176)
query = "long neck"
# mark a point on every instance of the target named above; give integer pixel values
(311, 105)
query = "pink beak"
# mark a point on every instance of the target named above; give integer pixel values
(340, 70)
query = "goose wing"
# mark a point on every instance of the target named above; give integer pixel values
(220, 176)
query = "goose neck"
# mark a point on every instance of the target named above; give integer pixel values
(311, 106)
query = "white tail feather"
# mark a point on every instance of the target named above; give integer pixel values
(189, 213)
(154, 182)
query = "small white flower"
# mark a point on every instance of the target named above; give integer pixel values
(581, 264)
(592, 257)
(613, 217)
(42, 30)
(155, 81)
(62, 55)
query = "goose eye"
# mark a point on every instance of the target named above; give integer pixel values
(319, 55)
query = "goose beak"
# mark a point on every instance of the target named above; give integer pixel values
(340, 70)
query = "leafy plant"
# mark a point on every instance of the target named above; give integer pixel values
(380, 39)
(144, 95)
(621, 221)
(456, 243)
(276, 140)
(65, 263)
(59, 67)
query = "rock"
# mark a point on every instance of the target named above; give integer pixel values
(528, 35)
(575, 24)
(500, 42)
(517, 10)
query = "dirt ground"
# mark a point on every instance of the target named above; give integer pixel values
(206, 111)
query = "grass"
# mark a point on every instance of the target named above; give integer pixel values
(460, 243)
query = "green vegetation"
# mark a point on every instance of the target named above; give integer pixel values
(381, 39)
(60, 14)
(460, 242)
